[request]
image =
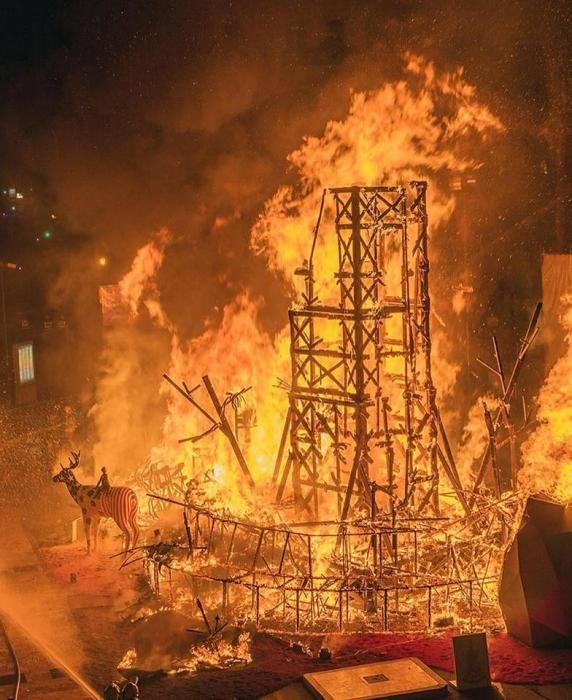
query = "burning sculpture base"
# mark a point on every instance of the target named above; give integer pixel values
(414, 574)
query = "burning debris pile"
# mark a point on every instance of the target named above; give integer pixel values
(367, 523)
(214, 652)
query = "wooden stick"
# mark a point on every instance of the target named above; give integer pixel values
(204, 616)
(492, 449)
(284, 479)
(227, 430)
(189, 398)
(352, 477)
(188, 531)
(531, 334)
(281, 447)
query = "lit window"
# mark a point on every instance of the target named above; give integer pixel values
(26, 363)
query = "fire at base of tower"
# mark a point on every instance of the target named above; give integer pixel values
(370, 524)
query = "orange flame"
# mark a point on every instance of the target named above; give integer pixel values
(547, 454)
(139, 285)
(426, 125)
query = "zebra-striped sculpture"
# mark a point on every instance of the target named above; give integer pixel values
(116, 502)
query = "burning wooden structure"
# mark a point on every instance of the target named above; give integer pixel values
(384, 533)
(362, 386)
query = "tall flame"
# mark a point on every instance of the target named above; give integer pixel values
(422, 127)
(547, 453)
(427, 125)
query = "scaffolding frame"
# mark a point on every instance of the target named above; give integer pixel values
(344, 397)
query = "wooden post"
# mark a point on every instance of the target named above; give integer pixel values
(286, 540)
(258, 546)
(360, 444)
(311, 578)
(188, 531)
(373, 517)
(389, 455)
(284, 478)
(297, 610)
(211, 533)
(257, 605)
(471, 605)
(230, 546)
(224, 598)
(493, 450)
(281, 447)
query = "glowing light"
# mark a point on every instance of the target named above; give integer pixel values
(218, 472)
(102, 261)
(391, 134)
(47, 234)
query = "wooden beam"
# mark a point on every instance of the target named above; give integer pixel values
(227, 430)
(187, 395)
(282, 446)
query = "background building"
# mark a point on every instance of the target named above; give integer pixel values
(47, 351)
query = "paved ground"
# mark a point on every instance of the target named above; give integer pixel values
(39, 626)
(43, 677)
(297, 691)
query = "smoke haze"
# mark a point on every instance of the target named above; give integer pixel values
(181, 115)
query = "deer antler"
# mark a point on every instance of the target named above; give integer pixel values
(75, 461)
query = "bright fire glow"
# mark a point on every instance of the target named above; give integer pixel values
(428, 125)
(547, 454)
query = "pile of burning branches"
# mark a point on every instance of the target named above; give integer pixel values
(414, 574)
(160, 479)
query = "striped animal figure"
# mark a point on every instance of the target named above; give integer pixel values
(101, 501)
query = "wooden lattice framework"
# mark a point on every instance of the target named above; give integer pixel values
(363, 421)
(274, 574)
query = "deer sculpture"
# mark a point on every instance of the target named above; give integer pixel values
(101, 501)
